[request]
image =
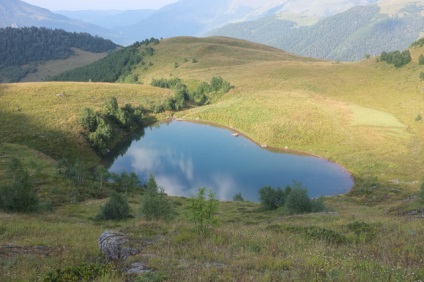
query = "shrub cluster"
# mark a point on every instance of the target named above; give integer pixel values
(200, 96)
(293, 199)
(116, 208)
(101, 127)
(396, 58)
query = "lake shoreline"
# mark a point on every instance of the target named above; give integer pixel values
(271, 149)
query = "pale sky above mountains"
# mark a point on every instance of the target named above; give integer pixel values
(75, 5)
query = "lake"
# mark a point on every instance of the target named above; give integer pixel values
(184, 156)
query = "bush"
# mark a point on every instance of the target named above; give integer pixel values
(116, 208)
(271, 198)
(155, 204)
(421, 60)
(17, 194)
(204, 210)
(238, 197)
(298, 201)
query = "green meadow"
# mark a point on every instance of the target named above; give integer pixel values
(361, 115)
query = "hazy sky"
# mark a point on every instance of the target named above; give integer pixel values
(71, 5)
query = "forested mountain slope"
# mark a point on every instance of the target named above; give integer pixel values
(21, 49)
(347, 36)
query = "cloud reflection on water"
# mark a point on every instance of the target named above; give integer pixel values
(185, 156)
(181, 181)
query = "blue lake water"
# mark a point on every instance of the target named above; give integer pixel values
(184, 156)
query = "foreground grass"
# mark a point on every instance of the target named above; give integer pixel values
(249, 245)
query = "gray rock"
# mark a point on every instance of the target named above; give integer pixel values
(114, 246)
(137, 268)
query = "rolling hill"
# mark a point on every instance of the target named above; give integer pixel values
(362, 115)
(310, 105)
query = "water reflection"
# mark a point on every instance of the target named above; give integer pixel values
(185, 156)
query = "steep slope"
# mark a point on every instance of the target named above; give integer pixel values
(347, 36)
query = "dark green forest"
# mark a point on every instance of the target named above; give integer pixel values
(114, 67)
(21, 46)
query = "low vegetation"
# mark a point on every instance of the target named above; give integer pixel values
(293, 199)
(203, 94)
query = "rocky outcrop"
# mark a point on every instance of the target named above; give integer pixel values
(114, 246)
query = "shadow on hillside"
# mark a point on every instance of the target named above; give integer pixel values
(17, 127)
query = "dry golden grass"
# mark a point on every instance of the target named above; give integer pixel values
(54, 67)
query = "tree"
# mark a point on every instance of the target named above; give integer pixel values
(77, 172)
(154, 203)
(110, 107)
(126, 183)
(298, 201)
(116, 208)
(100, 138)
(238, 197)
(89, 119)
(271, 198)
(204, 210)
(17, 194)
(102, 175)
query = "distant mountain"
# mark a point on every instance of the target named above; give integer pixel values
(346, 36)
(16, 13)
(329, 29)
(110, 19)
(196, 17)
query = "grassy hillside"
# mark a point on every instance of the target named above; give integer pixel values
(360, 115)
